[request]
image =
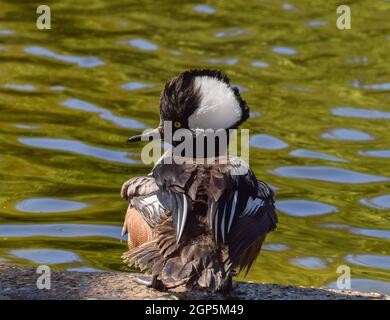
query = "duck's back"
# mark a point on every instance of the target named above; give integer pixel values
(207, 219)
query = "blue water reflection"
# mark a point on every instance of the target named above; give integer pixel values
(204, 9)
(369, 260)
(46, 256)
(131, 86)
(105, 114)
(85, 62)
(304, 208)
(284, 51)
(143, 44)
(79, 148)
(380, 202)
(330, 174)
(59, 230)
(375, 153)
(302, 153)
(309, 262)
(266, 141)
(360, 113)
(39, 205)
(347, 135)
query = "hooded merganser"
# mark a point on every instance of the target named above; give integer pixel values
(195, 223)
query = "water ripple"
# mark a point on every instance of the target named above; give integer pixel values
(231, 33)
(275, 247)
(85, 62)
(284, 50)
(204, 9)
(265, 141)
(304, 208)
(377, 87)
(79, 148)
(59, 230)
(78, 104)
(131, 86)
(309, 263)
(357, 60)
(260, 64)
(317, 23)
(143, 44)
(315, 155)
(6, 32)
(288, 6)
(369, 260)
(19, 87)
(254, 114)
(39, 205)
(374, 233)
(380, 202)
(360, 113)
(347, 134)
(57, 88)
(26, 126)
(376, 153)
(228, 61)
(46, 256)
(325, 173)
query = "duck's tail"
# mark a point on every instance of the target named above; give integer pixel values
(196, 264)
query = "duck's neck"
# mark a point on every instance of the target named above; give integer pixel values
(202, 147)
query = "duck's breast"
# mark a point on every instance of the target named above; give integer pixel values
(139, 232)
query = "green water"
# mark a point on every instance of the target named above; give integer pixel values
(64, 121)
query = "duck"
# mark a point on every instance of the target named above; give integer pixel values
(197, 220)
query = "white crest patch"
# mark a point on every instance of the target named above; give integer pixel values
(218, 108)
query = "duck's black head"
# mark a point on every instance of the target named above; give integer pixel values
(201, 99)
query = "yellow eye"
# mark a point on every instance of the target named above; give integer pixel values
(177, 124)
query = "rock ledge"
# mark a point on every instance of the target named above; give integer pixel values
(19, 282)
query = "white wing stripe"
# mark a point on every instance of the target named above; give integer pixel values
(248, 206)
(149, 200)
(216, 226)
(252, 206)
(233, 210)
(182, 222)
(223, 224)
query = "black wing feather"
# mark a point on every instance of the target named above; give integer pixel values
(150, 208)
(243, 196)
(172, 181)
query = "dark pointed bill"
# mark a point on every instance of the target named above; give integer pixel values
(150, 135)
